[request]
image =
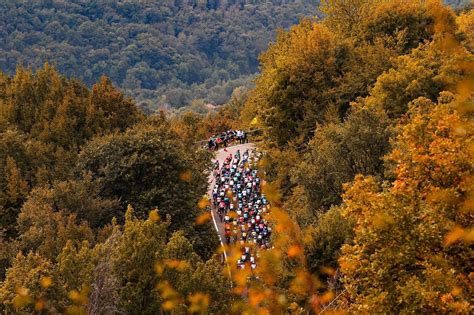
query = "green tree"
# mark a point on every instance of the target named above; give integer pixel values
(327, 235)
(209, 278)
(145, 167)
(133, 260)
(68, 128)
(189, 275)
(82, 198)
(345, 17)
(339, 151)
(150, 168)
(46, 118)
(398, 24)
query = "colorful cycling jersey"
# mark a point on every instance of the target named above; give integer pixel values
(237, 195)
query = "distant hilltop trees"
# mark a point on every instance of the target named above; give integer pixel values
(160, 52)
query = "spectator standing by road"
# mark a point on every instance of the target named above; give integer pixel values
(227, 138)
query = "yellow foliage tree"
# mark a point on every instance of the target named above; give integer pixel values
(405, 257)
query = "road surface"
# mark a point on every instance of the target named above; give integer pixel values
(221, 156)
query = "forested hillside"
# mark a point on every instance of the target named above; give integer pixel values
(161, 52)
(457, 3)
(365, 125)
(73, 163)
(367, 119)
(367, 129)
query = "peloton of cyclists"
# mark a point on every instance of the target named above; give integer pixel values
(241, 205)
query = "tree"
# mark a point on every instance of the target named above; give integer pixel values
(398, 24)
(401, 25)
(63, 111)
(15, 177)
(178, 50)
(425, 72)
(150, 168)
(345, 17)
(189, 126)
(68, 128)
(405, 256)
(20, 109)
(75, 266)
(133, 260)
(340, 151)
(465, 21)
(293, 90)
(46, 230)
(82, 198)
(209, 278)
(8, 250)
(329, 233)
(190, 276)
(144, 167)
(109, 109)
(30, 285)
(15, 194)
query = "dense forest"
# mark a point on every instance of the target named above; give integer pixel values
(366, 125)
(457, 3)
(367, 129)
(160, 52)
(73, 162)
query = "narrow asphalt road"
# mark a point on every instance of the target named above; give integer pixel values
(221, 156)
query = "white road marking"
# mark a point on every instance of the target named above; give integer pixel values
(222, 244)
